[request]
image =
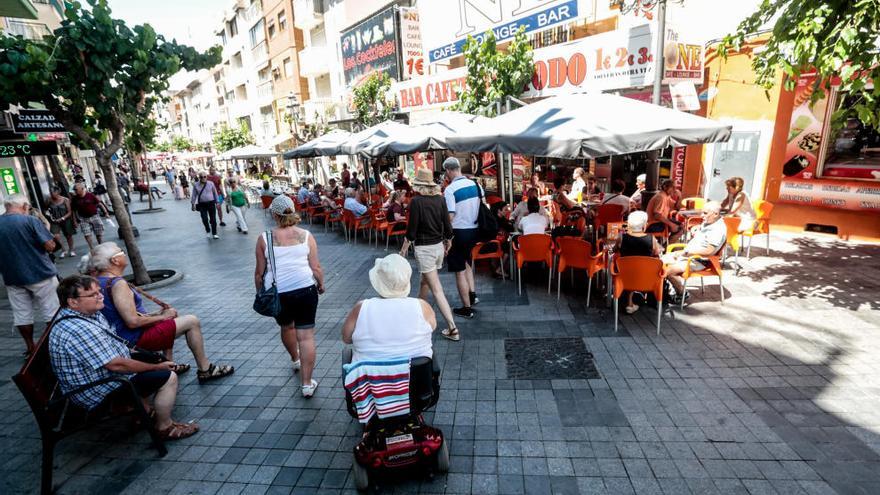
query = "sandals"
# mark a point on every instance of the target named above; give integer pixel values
(178, 431)
(451, 334)
(214, 372)
(181, 368)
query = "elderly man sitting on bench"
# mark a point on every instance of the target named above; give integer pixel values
(83, 350)
(124, 309)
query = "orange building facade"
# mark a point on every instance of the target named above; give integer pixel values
(819, 178)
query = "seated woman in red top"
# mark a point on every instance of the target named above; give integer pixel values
(125, 312)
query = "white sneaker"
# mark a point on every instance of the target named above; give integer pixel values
(296, 366)
(309, 390)
(631, 309)
(62, 255)
(208, 235)
(216, 236)
(71, 254)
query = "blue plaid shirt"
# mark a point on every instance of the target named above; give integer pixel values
(79, 348)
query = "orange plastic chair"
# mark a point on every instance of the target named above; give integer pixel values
(662, 235)
(392, 229)
(492, 199)
(763, 209)
(574, 253)
(638, 273)
(733, 239)
(693, 203)
(487, 251)
(331, 218)
(353, 224)
(604, 214)
(267, 202)
(712, 269)
(534, 247)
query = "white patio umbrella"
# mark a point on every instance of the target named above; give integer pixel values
(372, 141)
(587, 126)
(247, 151)
(430, 135)
(326, 145)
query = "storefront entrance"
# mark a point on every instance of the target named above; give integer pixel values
(735, 158)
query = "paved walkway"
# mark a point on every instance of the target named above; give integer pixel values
(776, 391)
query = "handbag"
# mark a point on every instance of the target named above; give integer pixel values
(266, 302)
(487, 224)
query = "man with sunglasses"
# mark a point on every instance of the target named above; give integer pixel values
(84, 350)
(708, 240)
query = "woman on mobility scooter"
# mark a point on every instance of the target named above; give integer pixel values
(390, 375)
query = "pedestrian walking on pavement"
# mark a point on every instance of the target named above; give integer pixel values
(217, 180)
(204, 200)
(28, 272)
(463, 202)
(430, 230)
(61, 218)
(299, 279)
(86, 206)
(237, 201)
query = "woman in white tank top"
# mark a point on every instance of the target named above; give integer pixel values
(299, 279)
(394, 325)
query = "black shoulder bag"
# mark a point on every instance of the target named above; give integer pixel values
(266, 301)
(487, 224)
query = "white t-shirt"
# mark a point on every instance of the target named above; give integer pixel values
(463, 198)
(292, 266)
(391, 328)
(714, 235)
(534, 223)
(522, 209)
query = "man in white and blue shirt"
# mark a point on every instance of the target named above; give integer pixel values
(463, 198)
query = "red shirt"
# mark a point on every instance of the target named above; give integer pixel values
(216, 179)
(85, 206)
(346, 178)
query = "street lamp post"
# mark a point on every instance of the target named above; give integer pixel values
(293, 107)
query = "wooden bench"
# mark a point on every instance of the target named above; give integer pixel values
(58, 417)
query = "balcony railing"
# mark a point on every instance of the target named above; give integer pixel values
(264, 91)
(27, 29)
(308, 14)
(313, 61)
(260, 53)
(317, 109)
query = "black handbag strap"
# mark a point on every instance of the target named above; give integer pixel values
(271, 262)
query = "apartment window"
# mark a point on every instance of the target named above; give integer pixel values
(282, 21)
(271, 29)
(276, 73)
(29, 30)
(222, 37)
(256, 34)
(236, 61)
(263, 75)
(232, 28)
(288, 68)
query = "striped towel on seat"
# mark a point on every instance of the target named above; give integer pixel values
(378, 387)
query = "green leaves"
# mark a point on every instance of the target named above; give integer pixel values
(493, 75)
(228, 138)
(837, 39)
(371, 101)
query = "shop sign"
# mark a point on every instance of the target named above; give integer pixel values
(684, 96)
(447, 24)
(837, 194)
(676, 172)
(805, 131)
(10, 185)
(371, 46)
(27, 121)
(411, 44)
(682, 61)
(437, 91)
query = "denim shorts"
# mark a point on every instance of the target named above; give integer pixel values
(298, 307)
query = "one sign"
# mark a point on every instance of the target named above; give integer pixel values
(684, 96)
(371, 46)
(27, 121)
(411, 44)
(446, 24)
(11, 149)
(676, 172)
(837, 194)
(682, 61)
(10, 185)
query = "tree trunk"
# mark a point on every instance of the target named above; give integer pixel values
(57, 174)
(141, 277)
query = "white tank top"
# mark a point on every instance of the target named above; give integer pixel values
(292, 266)
(391, 328)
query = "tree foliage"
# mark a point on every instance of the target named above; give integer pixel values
(232, 137)
(372, 103)
(835, 39)
(493, 75)
(100, 78)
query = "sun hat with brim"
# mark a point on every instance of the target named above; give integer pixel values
(280, 204)
(390, 276)
(424, 178)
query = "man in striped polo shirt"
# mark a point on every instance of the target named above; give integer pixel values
(463, 198)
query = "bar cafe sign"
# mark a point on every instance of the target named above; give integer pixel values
(608, 61)
(27, 121)
(446, 24)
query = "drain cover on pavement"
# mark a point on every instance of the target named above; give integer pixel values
(549, 359)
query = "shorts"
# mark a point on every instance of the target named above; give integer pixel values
(298, 308)
(672, 259)
(145, 384)
(429, 258)
(460, 253)
(23, 299)
(66, 227)
(158, 336)
(91, 225)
